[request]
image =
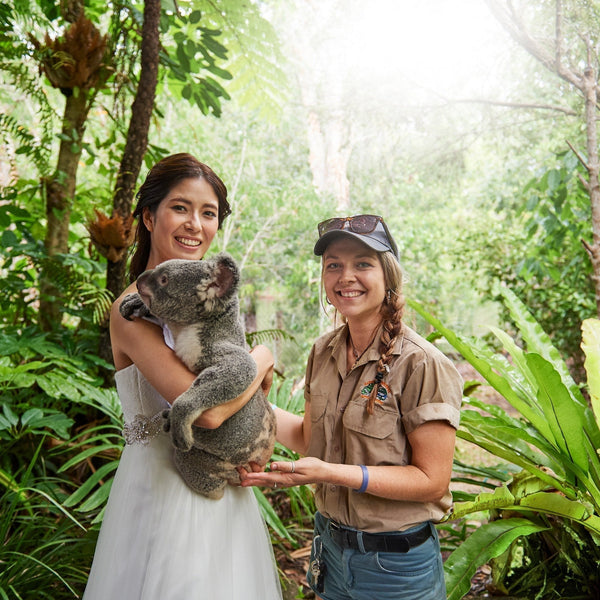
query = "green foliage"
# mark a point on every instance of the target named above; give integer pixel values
(27, 145)
(298, 500)
(555, 486)
(591, 347)
(42, 552)
(56, 424)
(535, 249)
(23, 256)
(188, 51)
(266, 335)
(259, 81)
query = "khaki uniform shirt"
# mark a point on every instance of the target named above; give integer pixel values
(422, 386)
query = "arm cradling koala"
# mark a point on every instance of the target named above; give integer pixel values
(198, 302)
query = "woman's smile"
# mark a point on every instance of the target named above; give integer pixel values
(188, 242)
(350, 294)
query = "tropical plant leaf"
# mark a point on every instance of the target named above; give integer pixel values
(499, 383)
(270, 516)
(563, 415)
(487, 542)
(538, 341)
(267, 335)
(591, 347)
(555, 504)
(499, 498)
(78, 495)
(518, 357)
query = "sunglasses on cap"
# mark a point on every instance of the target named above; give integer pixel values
(357, 224)
(370, 229)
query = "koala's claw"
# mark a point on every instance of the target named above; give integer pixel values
(132, 306)
(166, 415)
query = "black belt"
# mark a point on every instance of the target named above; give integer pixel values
(378, 542)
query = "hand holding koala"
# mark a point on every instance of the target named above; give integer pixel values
(198, 301)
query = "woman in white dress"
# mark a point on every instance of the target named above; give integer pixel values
(159, 540)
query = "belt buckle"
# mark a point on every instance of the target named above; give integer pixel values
(333, 526)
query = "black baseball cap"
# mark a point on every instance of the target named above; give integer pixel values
(369, 229)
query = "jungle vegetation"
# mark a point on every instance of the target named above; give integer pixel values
(490, 187)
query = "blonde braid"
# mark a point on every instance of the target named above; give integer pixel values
(392, 310)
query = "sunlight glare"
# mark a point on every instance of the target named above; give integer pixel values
(436, 44)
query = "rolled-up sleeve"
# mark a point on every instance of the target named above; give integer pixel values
(432, 392)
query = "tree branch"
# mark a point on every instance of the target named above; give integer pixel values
(563, 109)
(519, 32)
(578, 155)
(588, 248)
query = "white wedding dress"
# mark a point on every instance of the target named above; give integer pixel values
(159, 540)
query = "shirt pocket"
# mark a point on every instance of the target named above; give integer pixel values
(380, 425)
(372, 439)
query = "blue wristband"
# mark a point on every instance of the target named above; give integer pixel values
(365, 481)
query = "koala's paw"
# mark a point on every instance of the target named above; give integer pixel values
(132, 306)
(181, 430)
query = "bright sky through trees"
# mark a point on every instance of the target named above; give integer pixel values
(446, 46)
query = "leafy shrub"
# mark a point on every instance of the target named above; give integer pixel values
(57, 425)
(543, 534)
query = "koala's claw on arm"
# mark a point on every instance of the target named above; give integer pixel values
(132, 306)
(166, 415)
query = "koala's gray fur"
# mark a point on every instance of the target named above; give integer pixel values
(198, 300)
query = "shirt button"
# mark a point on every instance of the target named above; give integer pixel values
(333, 487)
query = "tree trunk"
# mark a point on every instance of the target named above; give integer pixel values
(135, 147)
(593, 168)
(60, 191)
(328, 119)
(137, 135)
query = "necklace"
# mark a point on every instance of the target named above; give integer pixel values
(355, 352)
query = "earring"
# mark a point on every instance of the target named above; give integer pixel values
(328, 300)
(388, 295)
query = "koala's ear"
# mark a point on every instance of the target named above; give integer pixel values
(227, 275)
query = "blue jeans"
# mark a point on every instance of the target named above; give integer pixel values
(351, 574)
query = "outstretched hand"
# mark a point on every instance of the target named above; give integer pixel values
(286, 473)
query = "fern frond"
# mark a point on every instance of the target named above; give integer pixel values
(78, 287)
(259, 81)
(100, 299)
(267, 335)
(26, 143)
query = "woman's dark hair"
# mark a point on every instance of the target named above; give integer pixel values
(161, 179)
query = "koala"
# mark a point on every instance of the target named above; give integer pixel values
(199, 303)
